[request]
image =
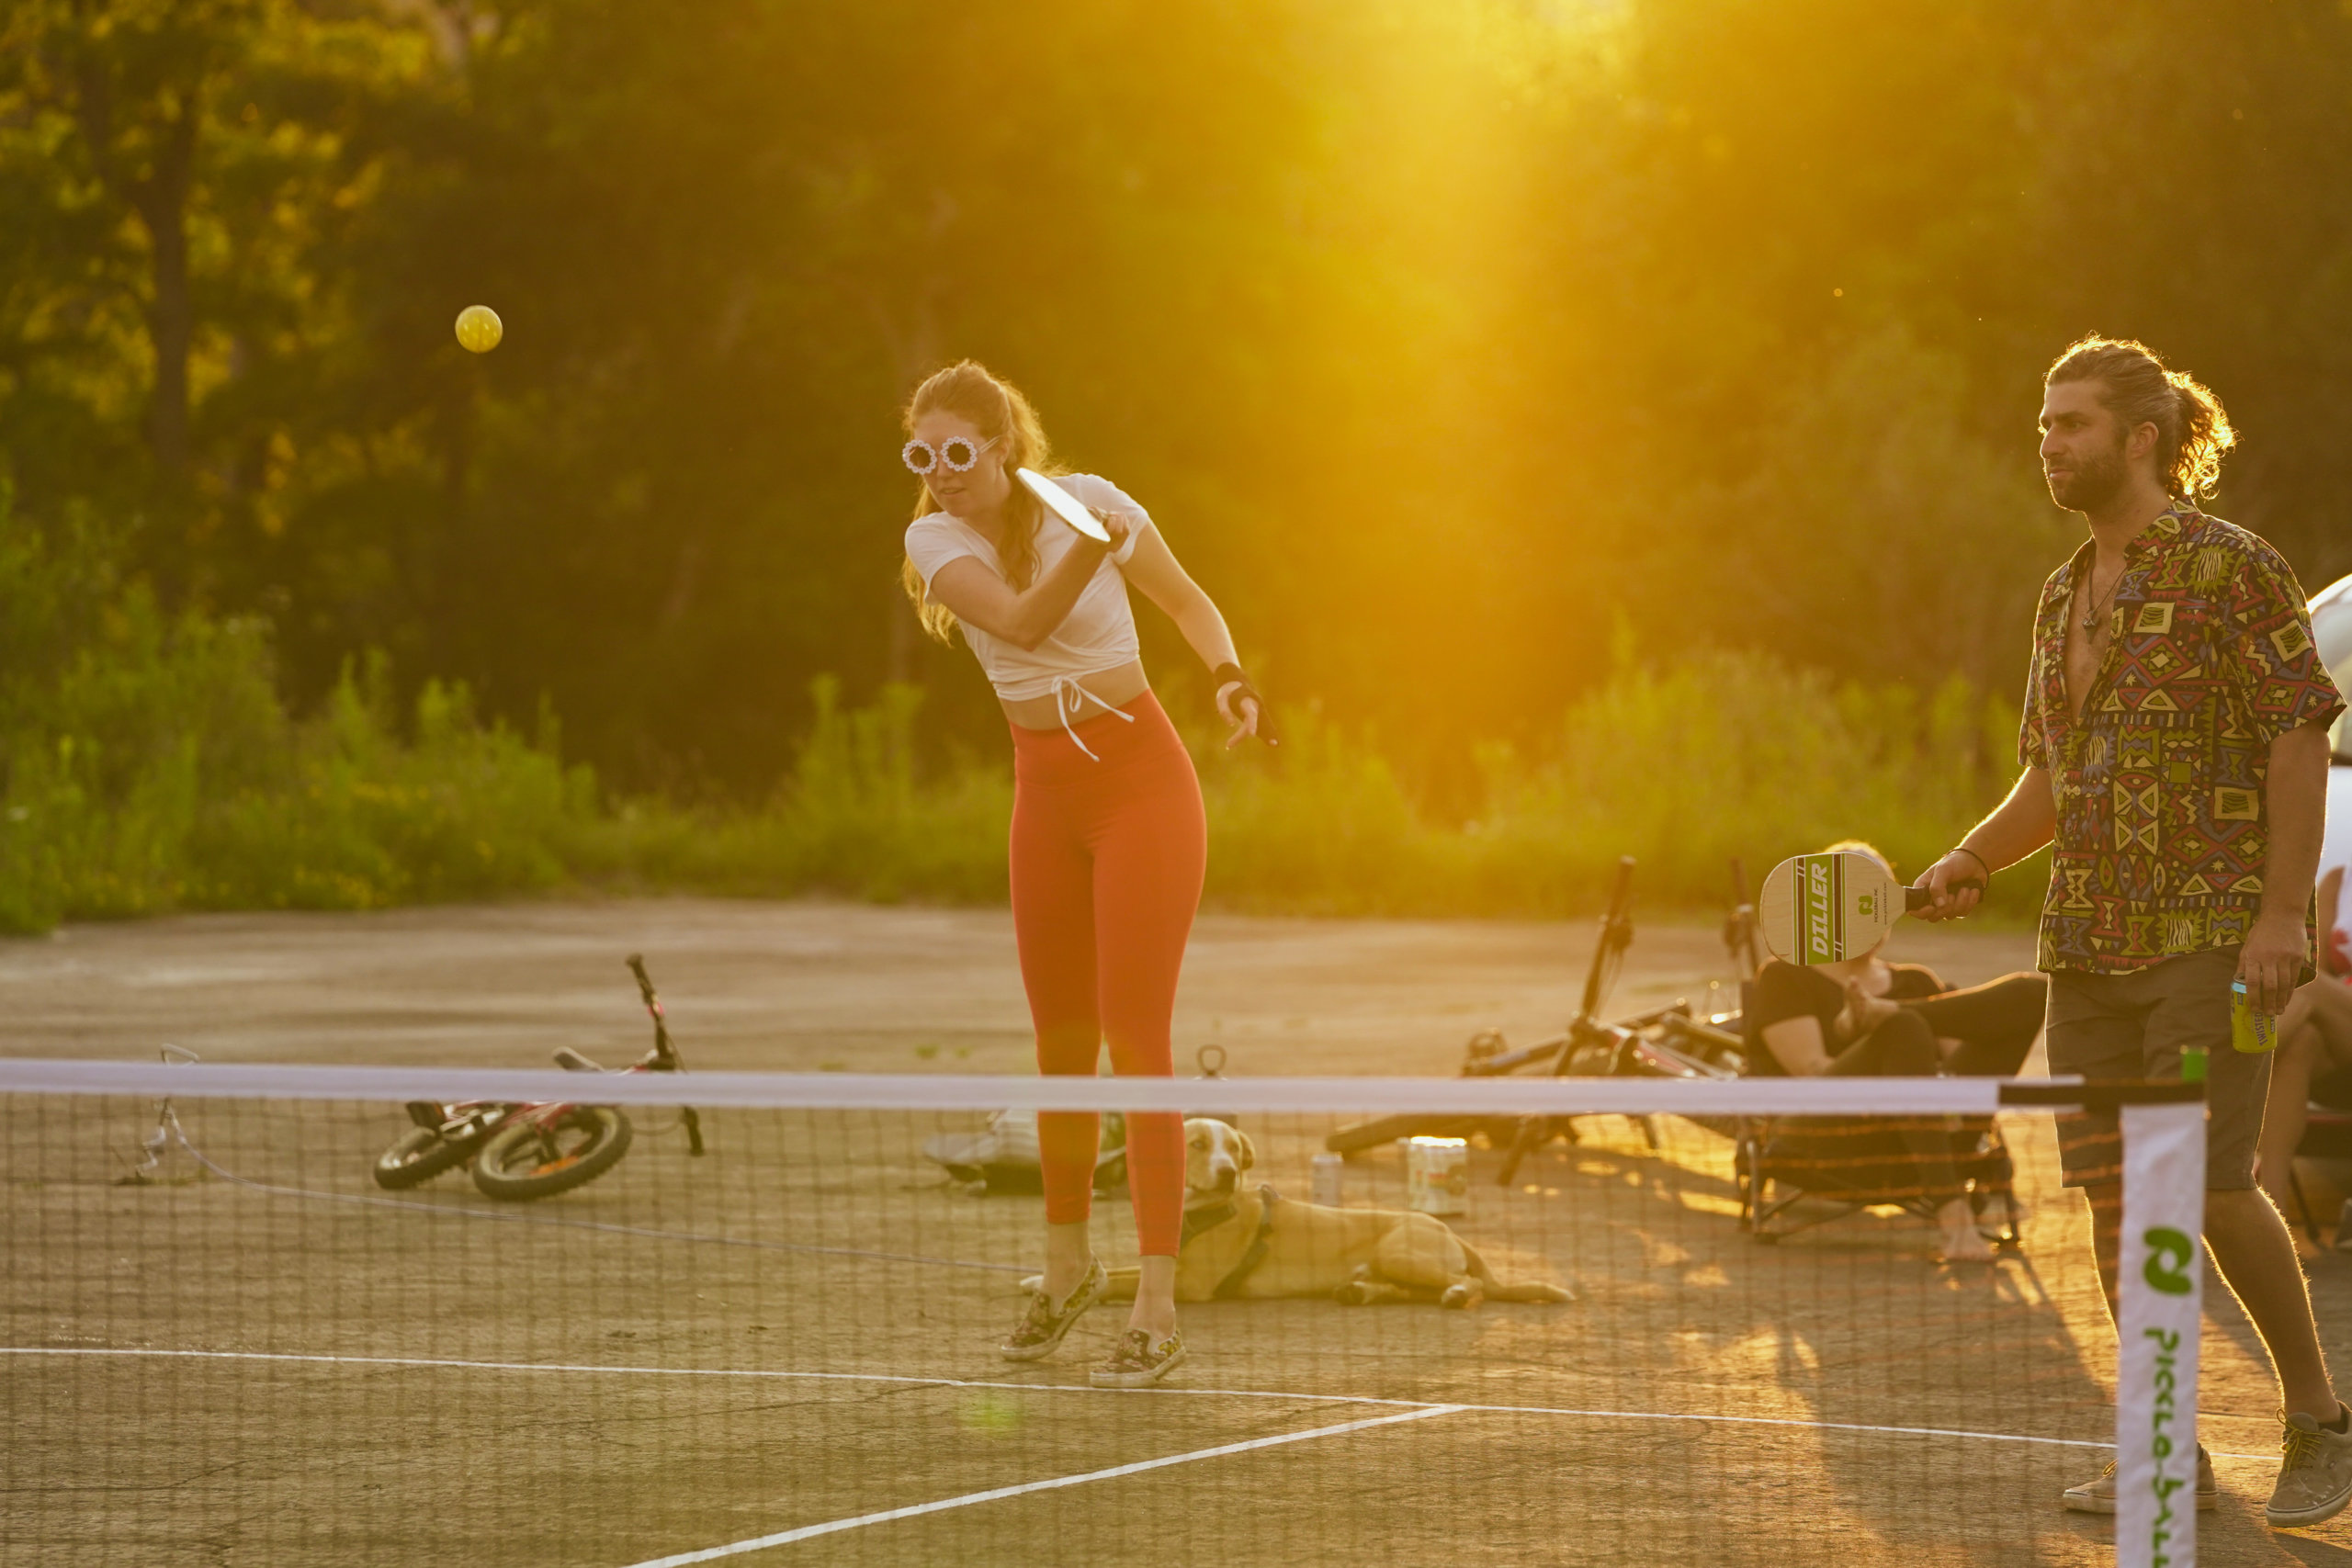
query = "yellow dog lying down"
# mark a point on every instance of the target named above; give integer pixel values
(1249, 1244)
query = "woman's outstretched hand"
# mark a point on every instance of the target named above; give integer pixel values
(1238, 707)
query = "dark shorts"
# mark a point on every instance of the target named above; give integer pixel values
(2133, 1026)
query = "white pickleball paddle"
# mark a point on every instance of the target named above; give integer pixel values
(1064, 505)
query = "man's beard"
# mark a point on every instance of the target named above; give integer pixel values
(2093, 483)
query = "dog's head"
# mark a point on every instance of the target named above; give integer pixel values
(1216, 1153)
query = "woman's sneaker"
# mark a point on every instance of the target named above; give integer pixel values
(1042, 1326)
(2098, 1495)
(1140, 1361)
(2315, 1479)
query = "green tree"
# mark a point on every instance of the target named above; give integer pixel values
(183, 173)
(1451, 344)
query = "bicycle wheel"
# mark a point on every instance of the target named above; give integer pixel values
(421, 1155)
(524, 1160)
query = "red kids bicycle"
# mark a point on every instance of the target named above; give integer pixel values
(520, 1152)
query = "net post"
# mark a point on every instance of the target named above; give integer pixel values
(2160, 1291)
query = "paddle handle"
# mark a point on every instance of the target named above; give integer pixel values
(1917, 899)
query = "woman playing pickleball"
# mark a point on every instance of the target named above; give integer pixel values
(1108, 841)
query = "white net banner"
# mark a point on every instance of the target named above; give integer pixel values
(2161, 1284)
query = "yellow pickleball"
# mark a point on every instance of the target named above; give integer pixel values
(478, 328)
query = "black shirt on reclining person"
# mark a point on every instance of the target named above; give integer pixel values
(1783, 991)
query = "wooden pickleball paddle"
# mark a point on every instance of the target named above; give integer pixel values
(1824, 908)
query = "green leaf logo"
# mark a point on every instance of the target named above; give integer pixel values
(2168, 1253)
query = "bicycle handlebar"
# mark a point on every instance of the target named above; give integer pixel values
(1622, 894)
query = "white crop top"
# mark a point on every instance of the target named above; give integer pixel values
(1098, 634)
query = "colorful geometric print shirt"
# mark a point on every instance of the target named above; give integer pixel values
(2163, 829)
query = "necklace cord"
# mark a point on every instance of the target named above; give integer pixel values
(2099, 608)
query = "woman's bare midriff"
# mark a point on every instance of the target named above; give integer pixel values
(1116, 687)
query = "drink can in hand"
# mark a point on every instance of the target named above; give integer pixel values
(2250, 1031)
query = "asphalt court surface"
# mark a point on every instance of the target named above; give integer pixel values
(628, 1399)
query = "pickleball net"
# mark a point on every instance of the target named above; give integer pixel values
(223, 1336)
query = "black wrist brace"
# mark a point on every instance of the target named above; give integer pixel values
(1231, 675)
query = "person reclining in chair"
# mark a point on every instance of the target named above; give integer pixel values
(1865, 1016)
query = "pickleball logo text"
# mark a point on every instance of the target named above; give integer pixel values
(2161, 1447)
(1820, 903)
(2169, 1254)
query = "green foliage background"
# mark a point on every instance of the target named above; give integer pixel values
(152, 766)
(1458, 348)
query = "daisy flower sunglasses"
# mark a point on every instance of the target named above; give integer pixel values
(957, 452)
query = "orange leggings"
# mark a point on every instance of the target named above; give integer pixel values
(1107, 858)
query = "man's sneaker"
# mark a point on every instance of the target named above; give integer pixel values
(1043, 1324)
(2315, 1477)
(2097, 1496)
(1139, 1361)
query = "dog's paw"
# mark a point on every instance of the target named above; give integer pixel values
(1461, 1296)
(1355, 1293)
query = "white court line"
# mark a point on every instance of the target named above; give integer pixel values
(783, 1538)
(753, 1373)
(693, 1373)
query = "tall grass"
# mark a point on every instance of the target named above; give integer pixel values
(147, 765)
(852, 819)
(1684, 768)
(1720, 756)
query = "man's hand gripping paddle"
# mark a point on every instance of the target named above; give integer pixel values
(1824, 908)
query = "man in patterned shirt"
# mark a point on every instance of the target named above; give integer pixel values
(2174, 748)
